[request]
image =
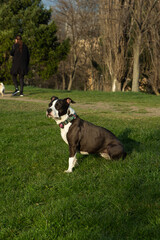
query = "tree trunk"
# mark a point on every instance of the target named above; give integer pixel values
(136, 55)
(63, 82)
(155, 91)
(154, 84)
(116, 86)
(70, 82)
(125, 84)
(73, 74)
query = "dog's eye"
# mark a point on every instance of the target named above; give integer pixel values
(59, 105)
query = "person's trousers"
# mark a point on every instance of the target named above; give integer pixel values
(21, 81)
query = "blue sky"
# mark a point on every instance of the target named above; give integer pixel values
(48, 3)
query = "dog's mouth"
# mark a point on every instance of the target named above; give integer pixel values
(49, 115)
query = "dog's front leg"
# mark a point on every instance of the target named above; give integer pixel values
(72, 160)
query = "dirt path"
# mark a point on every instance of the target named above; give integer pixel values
(9, 96)
(99, 106)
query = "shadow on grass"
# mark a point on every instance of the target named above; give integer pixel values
(129, 144)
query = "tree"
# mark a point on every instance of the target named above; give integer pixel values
(75, 19)
(115, 28)
(114, 56)
(30, 19)
(153, 46)
(142, 21)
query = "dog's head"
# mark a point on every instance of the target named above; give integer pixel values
(59, 107)
(2, 85)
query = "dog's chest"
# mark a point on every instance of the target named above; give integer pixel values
(64, 132)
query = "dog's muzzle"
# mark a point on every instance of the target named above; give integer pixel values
(48, 113)
(49, 110)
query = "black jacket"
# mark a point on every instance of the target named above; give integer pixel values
(20, 59)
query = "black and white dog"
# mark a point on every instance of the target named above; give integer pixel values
(82, 136)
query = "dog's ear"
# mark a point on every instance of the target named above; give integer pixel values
(53, 98)
(69, 100)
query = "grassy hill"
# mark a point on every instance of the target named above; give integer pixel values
(101, 199)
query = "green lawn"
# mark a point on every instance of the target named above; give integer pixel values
(112, 200)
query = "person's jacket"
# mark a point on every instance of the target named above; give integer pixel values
(20, 59)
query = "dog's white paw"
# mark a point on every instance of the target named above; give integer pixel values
(68, 171)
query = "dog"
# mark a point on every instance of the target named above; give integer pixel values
(2, 88)
(83, 136)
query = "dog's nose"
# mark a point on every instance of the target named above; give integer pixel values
(49, 110)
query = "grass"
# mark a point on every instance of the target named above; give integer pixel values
(90, 97)
(101, 199)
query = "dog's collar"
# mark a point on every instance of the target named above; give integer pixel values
(69, 119)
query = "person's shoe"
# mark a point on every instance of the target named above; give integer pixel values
(15, 92)
(21, 95)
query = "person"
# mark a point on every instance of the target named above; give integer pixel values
(20, 54)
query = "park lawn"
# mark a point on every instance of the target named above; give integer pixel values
(101, 199)
(90, 97)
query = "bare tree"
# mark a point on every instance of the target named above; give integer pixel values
(115, 26)
(107, 38)
(75, 20)
(142, 21)
(153, 44)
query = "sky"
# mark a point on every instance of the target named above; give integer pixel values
(48, 3)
